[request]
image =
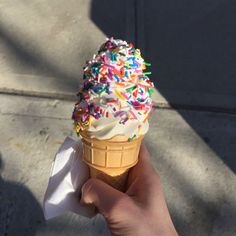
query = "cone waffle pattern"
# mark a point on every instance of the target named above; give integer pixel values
(110, 160)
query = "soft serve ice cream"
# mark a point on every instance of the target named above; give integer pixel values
(115, 98)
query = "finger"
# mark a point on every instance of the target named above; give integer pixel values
(143, 169)
(101, 195)
(143, 181)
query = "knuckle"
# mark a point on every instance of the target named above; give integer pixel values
(87, 186)
(122, 204)
(87, 189)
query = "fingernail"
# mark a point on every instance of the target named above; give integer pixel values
(82, 190)
(85, 193)
(82, 196)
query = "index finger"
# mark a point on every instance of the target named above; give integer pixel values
(143, 174)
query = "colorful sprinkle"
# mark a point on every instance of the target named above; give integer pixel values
(117, 70)
(119, 94)
(148, 73)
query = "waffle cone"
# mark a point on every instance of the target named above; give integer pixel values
(110, 160)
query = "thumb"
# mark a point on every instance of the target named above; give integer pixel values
(101, 195)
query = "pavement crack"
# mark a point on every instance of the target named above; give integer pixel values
(33, 116)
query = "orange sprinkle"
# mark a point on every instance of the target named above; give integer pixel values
(102, 70)
(146, 118)
(120, 84)
(130, 81)
(133, 76)
(122, 61)
(122, 71)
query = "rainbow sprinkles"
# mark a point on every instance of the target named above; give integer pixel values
(116, 87)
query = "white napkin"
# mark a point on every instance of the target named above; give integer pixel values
(68, 175)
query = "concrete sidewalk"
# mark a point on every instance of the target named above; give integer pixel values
(43, 46)
(198, 185)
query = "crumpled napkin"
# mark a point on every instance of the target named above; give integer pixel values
(68, 175)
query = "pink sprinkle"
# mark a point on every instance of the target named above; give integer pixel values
(107, 65)
(141, 85)
(137, 71)
(149, 105)
(135, 117)
(137, 63)
(114, 69)
(125, 96)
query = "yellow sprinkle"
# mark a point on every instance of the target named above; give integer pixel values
(139, 129)
(119, 94)
(77, 128)
(90, 120)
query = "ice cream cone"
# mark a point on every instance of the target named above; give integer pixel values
(110, 160)
(114, 101)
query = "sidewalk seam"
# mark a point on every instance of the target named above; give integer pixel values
(33, 116)
(157, 105)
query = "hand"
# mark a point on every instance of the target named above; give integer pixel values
(142, 210)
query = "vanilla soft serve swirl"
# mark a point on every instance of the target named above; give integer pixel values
(115, 98)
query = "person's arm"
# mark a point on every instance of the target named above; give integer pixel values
(142, 210)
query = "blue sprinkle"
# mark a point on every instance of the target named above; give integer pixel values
(117, 78)
(140, 100)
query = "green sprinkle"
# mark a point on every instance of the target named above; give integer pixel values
(100, 92)
(140, 113)
(151, 91)
(148, 73)
(147, 64)
(130, 139)
(96, 65)
(130, 89)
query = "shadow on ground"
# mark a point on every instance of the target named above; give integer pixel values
(20, 213)
(191, 48)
